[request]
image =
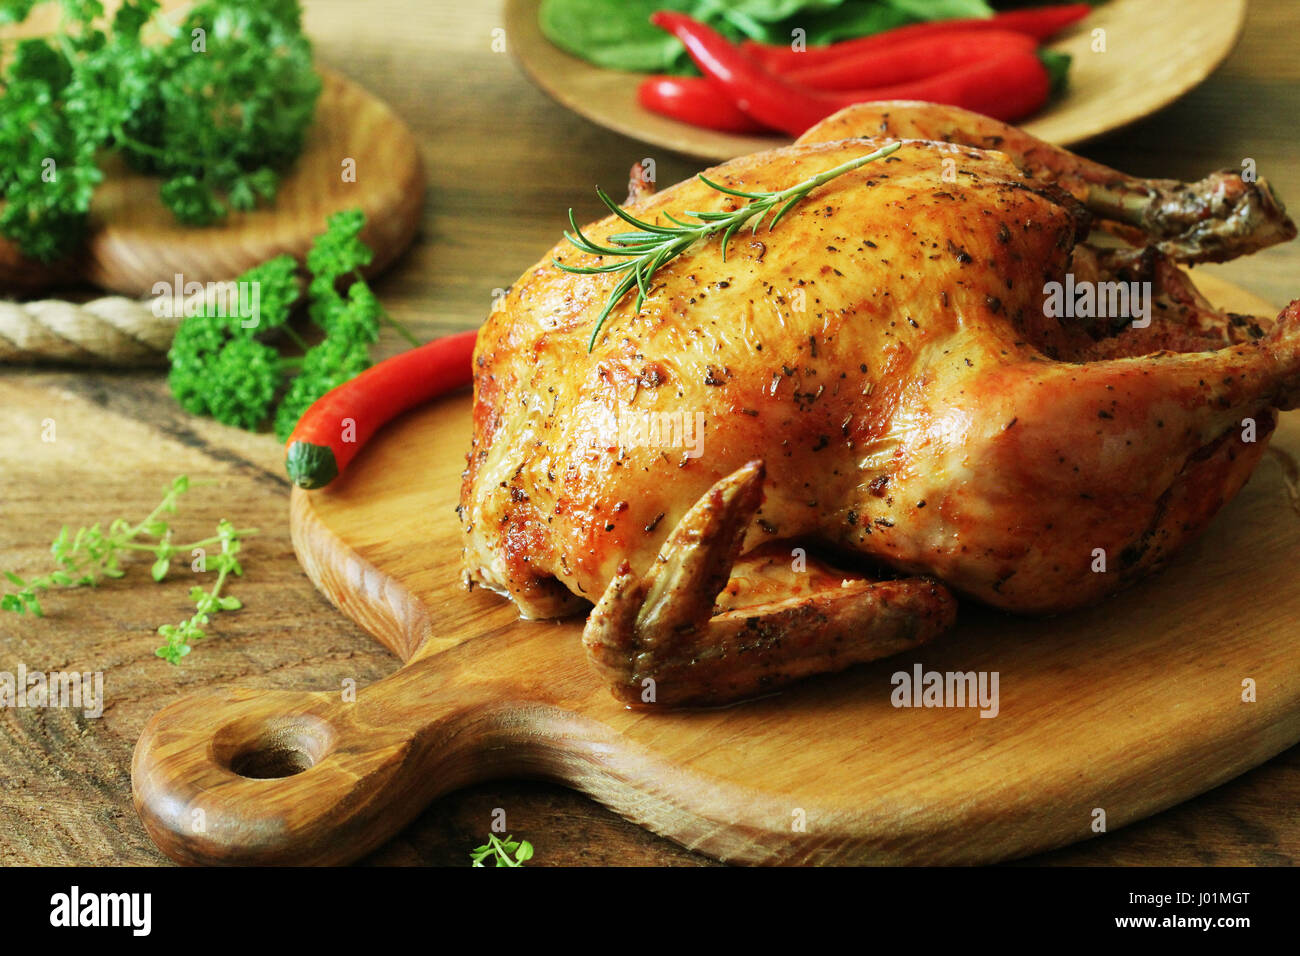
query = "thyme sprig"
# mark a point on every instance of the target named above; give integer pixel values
(642, 253)
(93, 554)
(181, 637)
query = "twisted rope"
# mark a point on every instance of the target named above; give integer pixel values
(109, 331)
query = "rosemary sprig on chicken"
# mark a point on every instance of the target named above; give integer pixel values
(654, 245)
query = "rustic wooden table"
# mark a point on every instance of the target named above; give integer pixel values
(504, 162)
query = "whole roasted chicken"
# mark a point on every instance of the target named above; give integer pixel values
(786, 461)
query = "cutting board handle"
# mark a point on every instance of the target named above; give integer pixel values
(260, 777)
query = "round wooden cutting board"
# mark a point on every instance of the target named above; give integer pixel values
(1123, 709)
(1153, 54)
(134, 241)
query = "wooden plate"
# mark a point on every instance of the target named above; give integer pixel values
(134, 241)
(1155, 52)
(1127, 708)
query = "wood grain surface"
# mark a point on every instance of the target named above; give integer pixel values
(1100, 98)
(503, 163)
(1130, 706)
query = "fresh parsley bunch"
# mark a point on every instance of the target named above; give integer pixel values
(216, 106)
(223, 369)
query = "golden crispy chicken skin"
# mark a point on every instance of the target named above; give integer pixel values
(877, 377)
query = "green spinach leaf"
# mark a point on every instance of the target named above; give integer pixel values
(618, 35)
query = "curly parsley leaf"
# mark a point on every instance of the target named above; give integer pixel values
(216, 106)
(218, 367)
(222, 367)
(336, 359)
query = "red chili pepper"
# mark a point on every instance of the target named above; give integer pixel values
(1037, 22)
(1006, 86)
(342, 420)
(769, 99)
(695, 100)
(912, 60)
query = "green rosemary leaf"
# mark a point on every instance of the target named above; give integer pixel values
(590, 270)
(730, 192)
(585, 244)
(619, 211)
(634, 238)
(784, 209)
(620, 290)
(726, 237)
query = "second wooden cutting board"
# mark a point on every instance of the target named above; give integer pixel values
(1120, 711)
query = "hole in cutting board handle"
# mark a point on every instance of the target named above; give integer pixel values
(272, 764)
(275, 748)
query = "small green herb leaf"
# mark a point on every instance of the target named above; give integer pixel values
(508, 852)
